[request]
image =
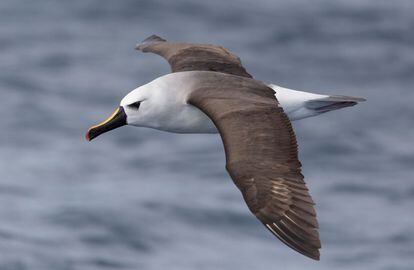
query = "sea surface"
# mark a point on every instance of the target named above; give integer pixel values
(144, 199)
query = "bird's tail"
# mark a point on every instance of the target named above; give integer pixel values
(299, 104)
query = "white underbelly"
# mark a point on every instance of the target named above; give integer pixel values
(188, 119)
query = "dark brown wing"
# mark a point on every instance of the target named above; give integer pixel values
(262, 157)
(187, 56)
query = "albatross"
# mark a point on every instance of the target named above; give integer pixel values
(209, 91)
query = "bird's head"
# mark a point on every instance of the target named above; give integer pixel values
(134, 109)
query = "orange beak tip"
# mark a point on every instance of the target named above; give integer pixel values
(88, 137)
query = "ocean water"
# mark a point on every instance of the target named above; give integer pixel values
(143, 199)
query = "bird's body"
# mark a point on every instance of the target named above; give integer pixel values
(169, 110)
(209, 91)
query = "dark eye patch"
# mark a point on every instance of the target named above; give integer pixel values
(135, 105)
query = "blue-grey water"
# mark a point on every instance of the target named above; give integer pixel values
(143, 199)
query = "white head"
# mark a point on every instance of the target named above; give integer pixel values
(160, 104)
(137, 108)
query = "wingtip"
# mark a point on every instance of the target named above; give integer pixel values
(316, 256)
(148, 41)
(311, 252)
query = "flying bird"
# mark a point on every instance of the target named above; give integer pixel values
(209, 91)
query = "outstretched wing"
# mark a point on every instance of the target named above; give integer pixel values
(187, 56)
(261, 157)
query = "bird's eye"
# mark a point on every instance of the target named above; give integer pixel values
(134, 105)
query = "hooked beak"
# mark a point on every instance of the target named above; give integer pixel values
(117, 119)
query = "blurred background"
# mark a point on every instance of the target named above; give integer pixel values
(143, 199)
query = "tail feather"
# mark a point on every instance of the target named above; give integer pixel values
(331, 103)
(299, 104)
